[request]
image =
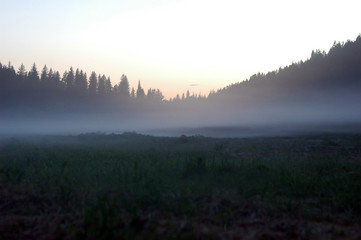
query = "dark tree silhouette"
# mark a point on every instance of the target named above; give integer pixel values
(93, 84)
(83, 83)
(80, 82)
(101, 85)
(44, 75)
(69, 80)
(115, 89)
(123, 88)
(108, 86)
(33, 75)
(22, 72)
(140, 91)
(77, 81)
(132, 93)
(54, 80)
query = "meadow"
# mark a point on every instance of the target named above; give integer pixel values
(133, 186)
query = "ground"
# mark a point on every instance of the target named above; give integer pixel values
(131, 186)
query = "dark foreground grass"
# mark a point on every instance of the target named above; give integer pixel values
(132, 186)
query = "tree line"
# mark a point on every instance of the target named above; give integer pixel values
(340, 67)
(71, 81)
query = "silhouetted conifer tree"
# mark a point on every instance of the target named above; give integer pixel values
(115, 89)
(63, 80)
(101, 85)
(33, 75)
(69, 81)
(108, 86)
(132, 93)
(84, 82)
(22, 74)
(55, 80)
(140, 91)
(22, 71)
(77, 81)
(80, 83)
(11, 69)
(50, 79)
(93, 84)
(44, 75)
(123, 88)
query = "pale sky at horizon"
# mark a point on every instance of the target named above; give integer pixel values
(173, 45)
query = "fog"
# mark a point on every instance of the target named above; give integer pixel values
(312, 113)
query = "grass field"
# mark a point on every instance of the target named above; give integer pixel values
(132, 186)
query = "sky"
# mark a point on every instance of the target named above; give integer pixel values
(173, 45)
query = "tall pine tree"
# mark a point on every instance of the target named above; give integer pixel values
(93, 84)
(123, 88)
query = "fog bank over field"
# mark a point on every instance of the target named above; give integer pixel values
(266, 120)
(270, 119)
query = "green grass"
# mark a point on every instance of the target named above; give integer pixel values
(121, 185)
